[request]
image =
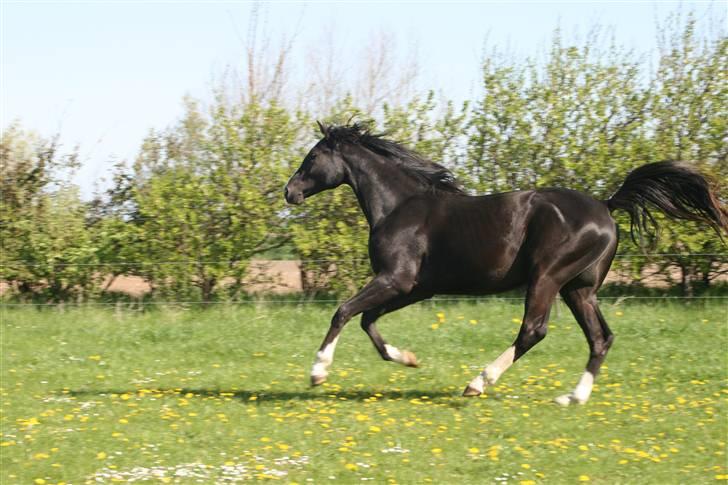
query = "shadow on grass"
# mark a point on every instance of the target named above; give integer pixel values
(452, 398)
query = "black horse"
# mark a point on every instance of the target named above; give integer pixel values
(428, 237)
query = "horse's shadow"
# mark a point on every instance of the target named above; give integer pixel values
(260, 396)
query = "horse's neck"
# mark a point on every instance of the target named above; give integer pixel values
(379, 185)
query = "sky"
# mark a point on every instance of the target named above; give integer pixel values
(103, 73)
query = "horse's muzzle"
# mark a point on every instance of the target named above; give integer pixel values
(293, 196)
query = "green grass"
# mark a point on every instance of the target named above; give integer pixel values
(90, 392)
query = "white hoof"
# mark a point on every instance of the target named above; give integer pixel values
(568, 399)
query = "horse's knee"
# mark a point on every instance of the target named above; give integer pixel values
(538, 332)
(608, 342)
(530, 336)
(601, 347)
(343, 314)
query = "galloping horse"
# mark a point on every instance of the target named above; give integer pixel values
(428, 237)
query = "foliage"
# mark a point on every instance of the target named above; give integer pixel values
(47, 249)
(204, 196)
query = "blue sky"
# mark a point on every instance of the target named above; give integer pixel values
(104, 72)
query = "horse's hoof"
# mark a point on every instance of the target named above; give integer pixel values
(409, 359)
(317, 380)
(568, 399)
(471, 392)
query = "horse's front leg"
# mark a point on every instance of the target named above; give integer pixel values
(380, 290)
(387, 351)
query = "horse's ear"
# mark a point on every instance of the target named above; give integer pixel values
(324, 130)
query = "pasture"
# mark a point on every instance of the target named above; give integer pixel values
(221, 395)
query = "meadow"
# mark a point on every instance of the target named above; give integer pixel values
(221, 395)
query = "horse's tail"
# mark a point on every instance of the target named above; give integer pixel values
(675, 188)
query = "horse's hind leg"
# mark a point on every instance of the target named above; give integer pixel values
(539, 299)
(583, 304)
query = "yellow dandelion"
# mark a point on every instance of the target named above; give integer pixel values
(101, 455)
(473, 450)
(436, 451)
(351, 466)
(94, 357)
(375, 429)
(39, 481)
(434, 326)
(584, 478)
(473, 322)
(362, 417)
(525, 465)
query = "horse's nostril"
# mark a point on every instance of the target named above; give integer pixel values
(285, 193)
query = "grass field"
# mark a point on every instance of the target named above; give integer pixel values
(221, 395)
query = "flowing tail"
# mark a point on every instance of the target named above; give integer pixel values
(675, 188)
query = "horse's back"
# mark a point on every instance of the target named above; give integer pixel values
(466, 244)
(489, 244)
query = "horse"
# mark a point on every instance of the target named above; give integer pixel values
(428, 236)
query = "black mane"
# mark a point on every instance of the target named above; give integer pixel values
(429, 173)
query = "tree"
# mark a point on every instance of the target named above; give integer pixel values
(690, 120)
(47, 248)
(204, 197)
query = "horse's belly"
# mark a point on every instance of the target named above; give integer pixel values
(461, 273)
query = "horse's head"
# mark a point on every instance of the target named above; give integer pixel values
(322, 168)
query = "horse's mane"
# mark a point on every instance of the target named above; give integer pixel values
(429, 173)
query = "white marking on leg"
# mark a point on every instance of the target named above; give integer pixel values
(495, 369)
(324, 358)
(581, 393)
(584, 387)
(404, 357)
(393, 353)
(478, 383)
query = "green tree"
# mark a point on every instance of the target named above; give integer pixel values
(47, 249)
(690, 118)
(205, 196)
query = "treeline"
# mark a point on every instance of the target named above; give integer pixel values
(204, 196)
